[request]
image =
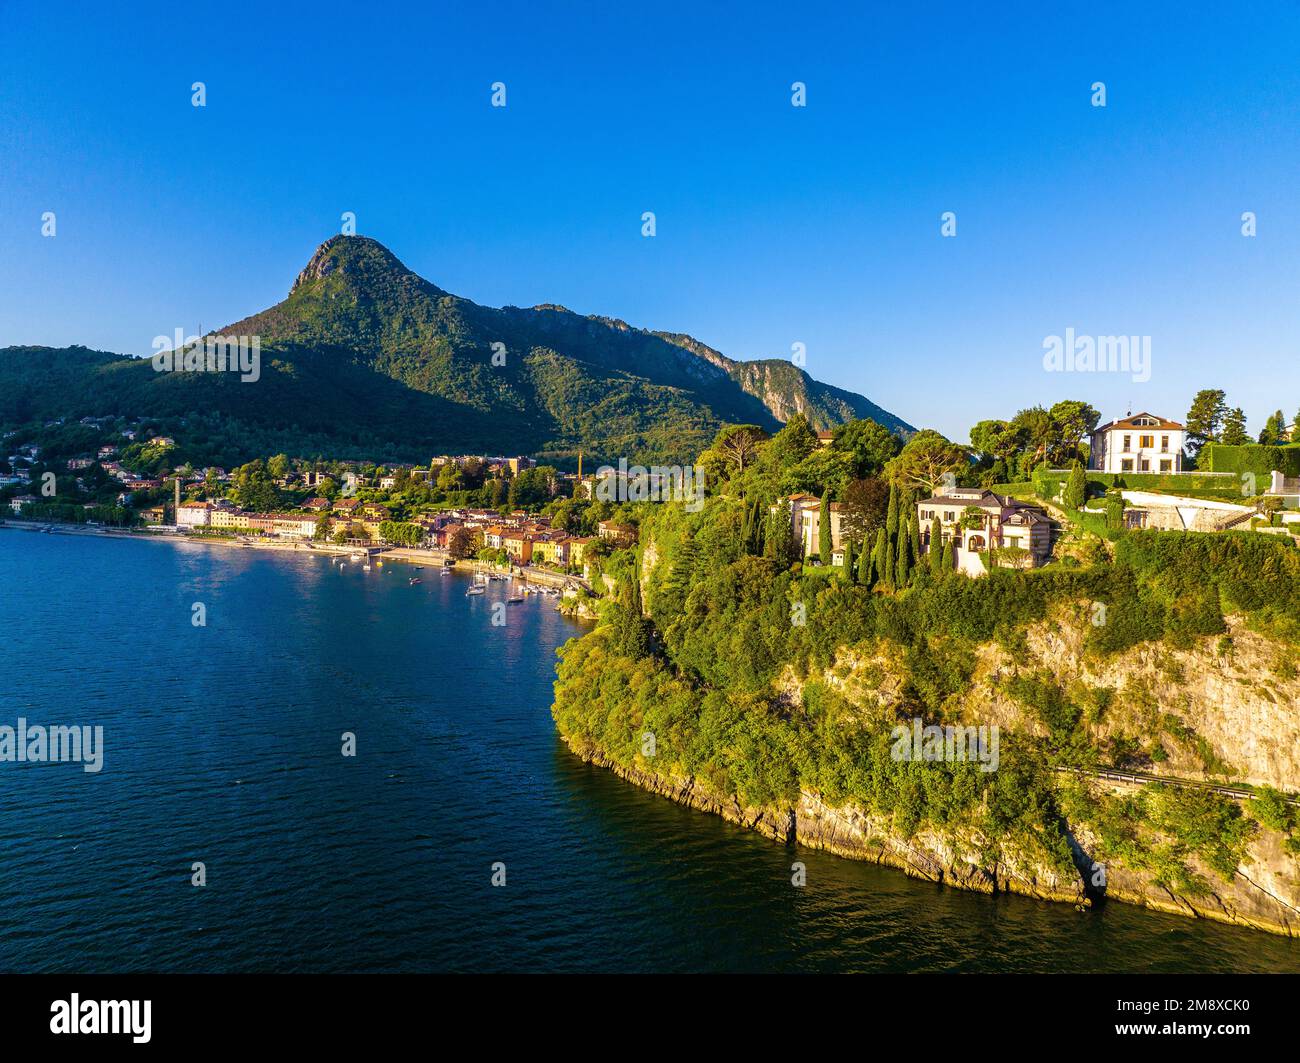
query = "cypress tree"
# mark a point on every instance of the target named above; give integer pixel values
(914, 537)
(850, 573)
(904, 569)
(946, 559)
(866, 567)
(936, 546)
(1076, 488)
(891, 514)
(824, 529)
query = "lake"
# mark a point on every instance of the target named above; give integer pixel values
(222, 745)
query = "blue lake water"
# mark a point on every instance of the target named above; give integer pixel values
(222, 745)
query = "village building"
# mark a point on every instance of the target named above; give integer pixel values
(229, 519)
(551, 549)
(192, 514)
(519, 545)
(620, 534)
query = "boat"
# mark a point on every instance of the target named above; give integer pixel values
(414, 580)
(476, 589)
(514, 599)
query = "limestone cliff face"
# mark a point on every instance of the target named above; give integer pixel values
(1227, 707)
(1264, 894)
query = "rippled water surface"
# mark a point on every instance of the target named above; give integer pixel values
(223, 746)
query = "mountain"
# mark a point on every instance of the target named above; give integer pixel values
(364, 357)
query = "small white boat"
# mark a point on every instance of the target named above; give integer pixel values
(475, 590)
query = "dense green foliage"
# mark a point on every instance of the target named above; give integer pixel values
(1259, 460)
(732, 676)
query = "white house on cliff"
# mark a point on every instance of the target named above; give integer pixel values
(1141, 442)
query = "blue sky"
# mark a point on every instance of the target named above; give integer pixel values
(818, 225)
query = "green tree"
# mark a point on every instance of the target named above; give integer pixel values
(850, 573)
(1076, 488)
(903, 568)
(1274, 429)
(866, 575)
(1234, 428)
(868, 444)
(936, 546)
(1072, 420)
(1205, 418)
(926, 462)
(891, 514)
(824, 545)
(879, 564)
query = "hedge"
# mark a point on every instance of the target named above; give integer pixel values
(1251, 458)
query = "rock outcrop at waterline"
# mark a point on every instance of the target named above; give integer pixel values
(856, 835)
(1261, 895)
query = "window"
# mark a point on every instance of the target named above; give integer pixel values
(1164, 444)
(1126, 465)
(1146, 441)
(1128, 444)
(1166, 465)
(1143, 465)
(948, 515)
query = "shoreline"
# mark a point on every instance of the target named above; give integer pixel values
(850, 835)
(404, 554)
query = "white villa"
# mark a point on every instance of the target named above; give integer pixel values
(1140, 443)
(1007, 523)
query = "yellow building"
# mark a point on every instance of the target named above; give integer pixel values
(229, 518)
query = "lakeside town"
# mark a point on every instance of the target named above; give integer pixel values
(1136, 471)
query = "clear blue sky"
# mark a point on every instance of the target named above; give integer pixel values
(776, 224)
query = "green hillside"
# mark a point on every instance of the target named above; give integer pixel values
(366, 357)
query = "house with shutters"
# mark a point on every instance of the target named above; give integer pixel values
(1142, 442)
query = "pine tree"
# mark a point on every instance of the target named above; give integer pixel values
(824, 529)
(936, 546)
(1234, 428)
